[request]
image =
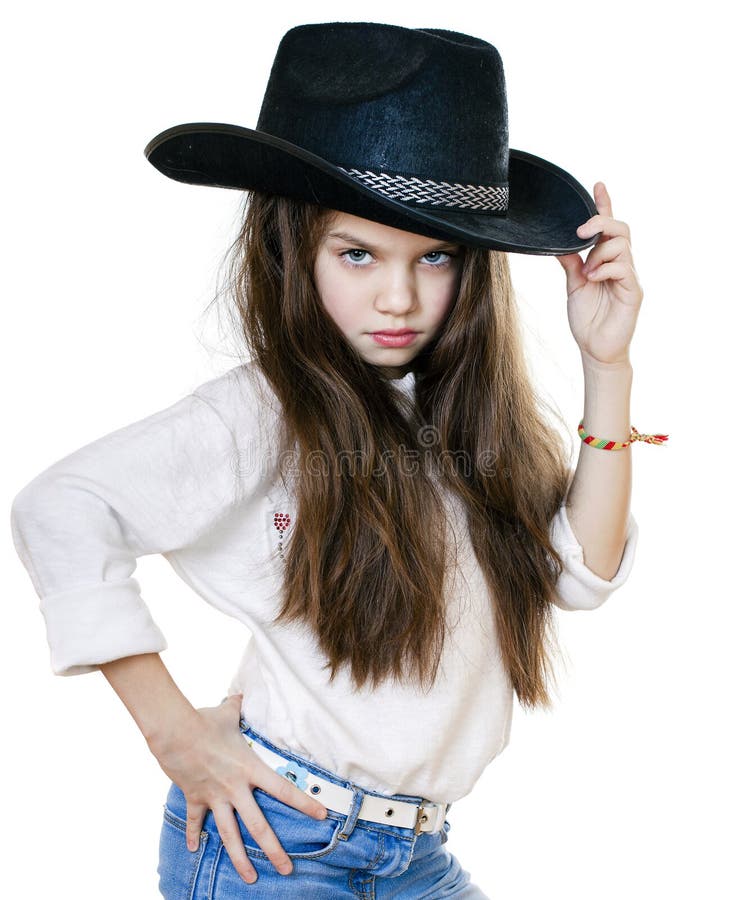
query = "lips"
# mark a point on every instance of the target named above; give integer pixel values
(394, 338)
(395, 333)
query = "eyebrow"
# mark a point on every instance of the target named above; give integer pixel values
(354, 239)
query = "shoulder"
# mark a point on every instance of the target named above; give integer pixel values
(245, 401)
(243, 386)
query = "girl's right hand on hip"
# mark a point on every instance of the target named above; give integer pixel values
(215, 768)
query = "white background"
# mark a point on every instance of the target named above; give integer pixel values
(629, 787)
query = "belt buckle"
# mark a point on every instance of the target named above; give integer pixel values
(423, 815)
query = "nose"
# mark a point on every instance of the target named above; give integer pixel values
(398, 293)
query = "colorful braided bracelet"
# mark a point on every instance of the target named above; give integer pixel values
(602, 444)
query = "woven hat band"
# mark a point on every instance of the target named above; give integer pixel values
(489, 198)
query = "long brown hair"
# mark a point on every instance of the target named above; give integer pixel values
(366, 562)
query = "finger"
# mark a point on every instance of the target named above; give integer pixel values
(613, 249)
(287, 792)
(617, 271)
(260, 829)
(602, 199)
(194, 823)
(231, 837)
(283, 788)
(608, 226)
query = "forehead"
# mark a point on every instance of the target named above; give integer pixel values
(343, 226)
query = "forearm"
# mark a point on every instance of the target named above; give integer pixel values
(150, 694)
(598, 501)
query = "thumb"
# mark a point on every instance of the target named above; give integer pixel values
(571, 262)
(572, 265)
(232, 703)
(233, 706)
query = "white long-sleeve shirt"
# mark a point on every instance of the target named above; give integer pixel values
(197, 482)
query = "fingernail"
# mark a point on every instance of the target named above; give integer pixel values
(285, 868)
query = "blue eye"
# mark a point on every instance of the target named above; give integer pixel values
(353, 260)
(439, 253)
(357, 261)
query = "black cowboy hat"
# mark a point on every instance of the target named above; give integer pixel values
(406, 127)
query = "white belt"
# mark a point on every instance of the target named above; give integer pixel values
(427, 817)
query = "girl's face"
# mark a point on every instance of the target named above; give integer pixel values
(373, 278)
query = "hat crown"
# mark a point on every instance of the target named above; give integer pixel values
(406, 127)
(421, 102)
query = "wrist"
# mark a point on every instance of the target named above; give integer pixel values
(170, 729)
(607, 390)
(596, 367)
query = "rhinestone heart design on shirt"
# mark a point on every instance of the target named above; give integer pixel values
(281, 522)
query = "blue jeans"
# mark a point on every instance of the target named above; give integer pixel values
(371, 860)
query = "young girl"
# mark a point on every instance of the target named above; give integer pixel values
(374, 491)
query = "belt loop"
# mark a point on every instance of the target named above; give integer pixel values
(352, 816)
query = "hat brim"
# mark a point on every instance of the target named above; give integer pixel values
(546, 204)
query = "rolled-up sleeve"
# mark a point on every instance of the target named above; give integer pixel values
(578, 587)
(78, 527)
